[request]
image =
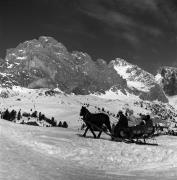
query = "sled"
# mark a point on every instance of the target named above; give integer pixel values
(140, 134)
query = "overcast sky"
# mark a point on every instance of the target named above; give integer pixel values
(143, 32)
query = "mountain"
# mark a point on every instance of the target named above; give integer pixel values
(167, 78)
(45, 62)
(139, 82)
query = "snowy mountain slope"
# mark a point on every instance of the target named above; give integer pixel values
(173, 101)
(135, 76)
(140, 82)
(117, 95)
(46, 63)
(158, 78)
(6, 80)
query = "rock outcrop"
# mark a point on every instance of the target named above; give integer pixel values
(46, 63)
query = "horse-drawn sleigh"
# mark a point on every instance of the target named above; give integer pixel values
(136, 134)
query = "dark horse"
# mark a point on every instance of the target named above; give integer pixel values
(95, 121)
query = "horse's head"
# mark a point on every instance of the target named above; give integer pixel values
(83, 111)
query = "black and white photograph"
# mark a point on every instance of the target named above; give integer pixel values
(88, 90)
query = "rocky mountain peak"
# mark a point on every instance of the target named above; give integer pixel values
(135, 76)
(167, 78)
(120, 62)
(138, 80)
(45, 62)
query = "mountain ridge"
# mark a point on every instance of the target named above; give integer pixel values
(46, 63)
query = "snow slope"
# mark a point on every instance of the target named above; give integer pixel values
(54, 153)
(34, 153)
(113, 95)
(67, 107)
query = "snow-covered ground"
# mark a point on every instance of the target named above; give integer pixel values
(34, 153)
(67, 107)
(29, 152)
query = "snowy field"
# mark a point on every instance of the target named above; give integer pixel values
(39, 153)
(55, 153)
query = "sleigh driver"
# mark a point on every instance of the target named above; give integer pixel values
(122, 124)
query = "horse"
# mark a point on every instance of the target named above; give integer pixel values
(95, 121)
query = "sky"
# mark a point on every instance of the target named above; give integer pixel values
(143, 32)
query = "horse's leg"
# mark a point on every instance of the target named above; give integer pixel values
(86, 131)
(99, 134)
(92, 132)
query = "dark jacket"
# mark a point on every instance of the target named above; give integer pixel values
(149, 123)
(123, 121)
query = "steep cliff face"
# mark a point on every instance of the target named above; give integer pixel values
(45, 62)
(167, 78)
(139, 82)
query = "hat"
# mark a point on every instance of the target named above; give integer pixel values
(120, 112)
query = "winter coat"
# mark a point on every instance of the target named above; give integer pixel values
(123, 121)
(149, 123)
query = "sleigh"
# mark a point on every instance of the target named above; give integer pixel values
(136, 134)
(139, 134)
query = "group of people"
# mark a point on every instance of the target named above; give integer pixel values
(123, 120)
(121, 129)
